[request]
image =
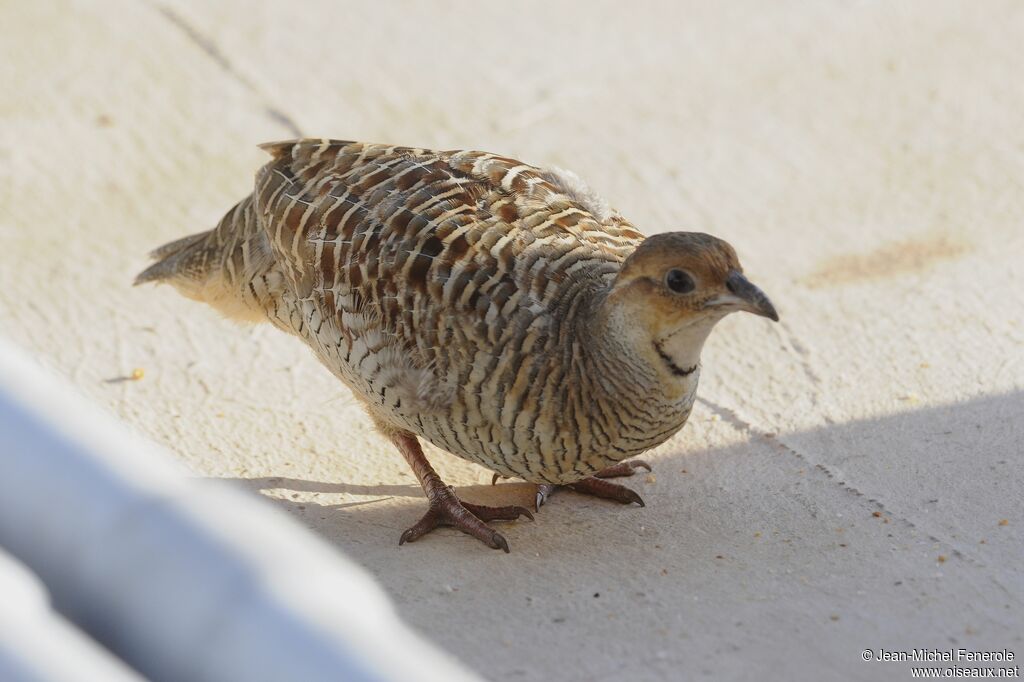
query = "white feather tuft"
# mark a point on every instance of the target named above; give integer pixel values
(579, 191)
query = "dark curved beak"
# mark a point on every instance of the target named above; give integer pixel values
(748, 297)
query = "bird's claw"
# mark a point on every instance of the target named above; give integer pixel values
(447, 510)
(598, 487)
(544, 491)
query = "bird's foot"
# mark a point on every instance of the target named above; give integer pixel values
(447, 510)
(598, 487)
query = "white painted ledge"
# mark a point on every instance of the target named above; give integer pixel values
(182, 579)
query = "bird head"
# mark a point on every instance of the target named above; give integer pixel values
(675, 286)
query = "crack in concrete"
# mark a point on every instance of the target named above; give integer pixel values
(213, 52)
(733, 418)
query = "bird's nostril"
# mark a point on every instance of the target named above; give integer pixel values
(731, 285)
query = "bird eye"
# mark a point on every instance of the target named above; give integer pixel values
(679, 281)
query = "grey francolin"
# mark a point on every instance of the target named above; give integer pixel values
(503, 312)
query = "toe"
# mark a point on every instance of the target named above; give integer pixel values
(498, 541)
(607, 490)
(544, 491)
(497, 513)
(632, 496)
(429, 522)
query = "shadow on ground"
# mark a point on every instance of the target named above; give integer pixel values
(871, 533)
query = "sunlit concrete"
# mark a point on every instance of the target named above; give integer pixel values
(851, 478)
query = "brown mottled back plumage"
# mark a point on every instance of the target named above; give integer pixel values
(486, 305)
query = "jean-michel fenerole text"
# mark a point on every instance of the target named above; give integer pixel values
(954, 655)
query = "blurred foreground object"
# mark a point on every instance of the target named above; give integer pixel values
(36, 644)
(182, 579)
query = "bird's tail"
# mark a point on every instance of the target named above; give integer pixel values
(175, 258)
(217, 266)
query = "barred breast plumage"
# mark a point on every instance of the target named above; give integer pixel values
(484, 304)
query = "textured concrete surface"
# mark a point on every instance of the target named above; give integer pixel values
(852, 477)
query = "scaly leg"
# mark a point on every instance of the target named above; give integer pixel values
(445, 508)
(598, 487)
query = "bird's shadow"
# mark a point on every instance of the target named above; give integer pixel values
(935, 443)
(508, 493)
(751, 526)
(301, 485)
